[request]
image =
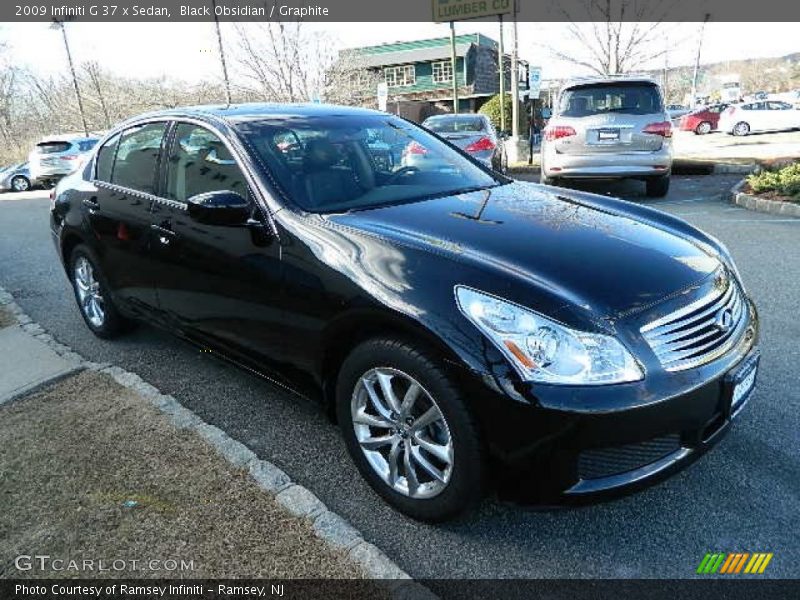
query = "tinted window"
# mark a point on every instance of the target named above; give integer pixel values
(52, 147)
(352, 162)
(199, 162)
(137, 157)
(105, 159)
(456, 124)
(624, 98)
(86, 145)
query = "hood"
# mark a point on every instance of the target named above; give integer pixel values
(608, 262)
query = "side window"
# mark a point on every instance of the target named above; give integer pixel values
(198, 163)
(105, 159)
(137, 157)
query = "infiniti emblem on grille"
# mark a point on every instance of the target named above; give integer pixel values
(724, 320)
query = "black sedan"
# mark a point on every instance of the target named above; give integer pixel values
(468, 332)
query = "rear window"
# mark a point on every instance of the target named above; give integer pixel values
(52, 147)
(620, 98)
(456, 125)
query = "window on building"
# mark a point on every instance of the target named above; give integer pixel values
(400, 76)
(443, 71)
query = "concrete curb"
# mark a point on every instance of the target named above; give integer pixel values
(332, 529)
(773, 207)
(733, 169)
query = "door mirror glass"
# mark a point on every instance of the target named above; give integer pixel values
(219, 208)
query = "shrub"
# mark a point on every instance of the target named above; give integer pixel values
(491, 109)
(783, 180)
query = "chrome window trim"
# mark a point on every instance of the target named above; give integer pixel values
(252, 181)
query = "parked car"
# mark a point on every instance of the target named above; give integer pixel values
(609, 128)
(474, 134)
(676, 111)
(704, 120)
(56, 156)
(16, 178)
(769, 115)
(463, 328)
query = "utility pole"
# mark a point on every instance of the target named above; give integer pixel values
(501, 63)
(453, 61)
(697, 60)
(60, 25)
(222, 54)
(514, 78)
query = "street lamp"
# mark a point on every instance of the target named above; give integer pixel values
(59, 24)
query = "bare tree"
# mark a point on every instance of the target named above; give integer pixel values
(95, 76)
(280, 62)
(612, 37)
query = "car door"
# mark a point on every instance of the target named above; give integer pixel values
(218, 284)
(118, 212)
(781, 115)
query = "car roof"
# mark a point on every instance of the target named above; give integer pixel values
(603, 80)
(235, 112)
(66, 138)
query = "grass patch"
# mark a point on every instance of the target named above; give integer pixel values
(779, 182)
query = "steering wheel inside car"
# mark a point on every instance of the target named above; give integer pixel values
(402, 172)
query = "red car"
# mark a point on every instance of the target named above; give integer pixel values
(703, 120)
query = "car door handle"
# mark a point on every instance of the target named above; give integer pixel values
(164, 235)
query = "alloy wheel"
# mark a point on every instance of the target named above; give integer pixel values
(402, 433)
(704, 128)
(88, 287)
(741, 129)
(20, 184)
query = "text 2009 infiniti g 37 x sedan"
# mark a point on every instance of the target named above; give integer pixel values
(466, 330)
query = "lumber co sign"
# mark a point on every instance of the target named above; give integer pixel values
(458, 10)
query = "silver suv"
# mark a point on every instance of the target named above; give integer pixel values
(56, 156)
(614, 127)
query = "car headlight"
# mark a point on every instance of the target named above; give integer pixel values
(543, 350)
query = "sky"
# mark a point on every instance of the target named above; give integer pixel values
(188, 50)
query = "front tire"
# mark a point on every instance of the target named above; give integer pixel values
(92, 295)
(20, 183)
(408, 431)
(657, 187)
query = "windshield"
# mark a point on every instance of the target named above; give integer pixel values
(624, 98)
(339, 163)
(455, 124)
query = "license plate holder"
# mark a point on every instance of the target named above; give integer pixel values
(608, 134)
(740, 382)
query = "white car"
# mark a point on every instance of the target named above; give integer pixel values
(764, 115)
(56, 156)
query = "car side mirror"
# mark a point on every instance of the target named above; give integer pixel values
(219, 208)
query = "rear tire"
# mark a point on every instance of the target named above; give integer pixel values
(92, 295)
(703, 128)
(657, 187)
(545, 180)
(741, 128)
(379, 430)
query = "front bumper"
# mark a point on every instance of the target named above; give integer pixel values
(572, 445)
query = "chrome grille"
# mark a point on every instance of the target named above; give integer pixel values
(701, 331)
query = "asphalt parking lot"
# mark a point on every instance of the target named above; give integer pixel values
(742, 497)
